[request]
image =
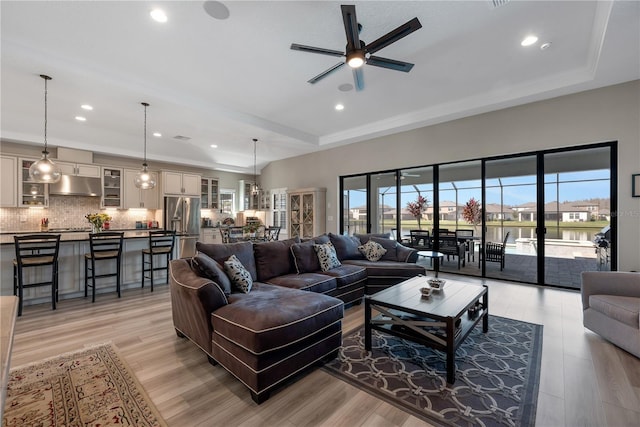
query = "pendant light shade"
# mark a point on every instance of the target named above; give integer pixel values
(44, 170)
(256, 186)
(144, 179)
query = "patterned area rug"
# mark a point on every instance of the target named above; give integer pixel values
(497, 375)
(90, 387)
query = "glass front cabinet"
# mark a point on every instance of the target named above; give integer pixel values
(209, 193)
(31, 193)
(112, 188)
(307, 211)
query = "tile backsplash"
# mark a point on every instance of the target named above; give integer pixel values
(69, 211)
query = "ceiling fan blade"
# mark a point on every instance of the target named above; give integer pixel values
(350, 26)
(325, 73)
(358, 78)
(319, 50)
(395, 35)
(391, 64)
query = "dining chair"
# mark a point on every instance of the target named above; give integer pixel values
(35, 250)
(271, 234)
(103, 246)
(419, 240)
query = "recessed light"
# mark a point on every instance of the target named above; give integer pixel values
(81, 119)
(339, 107)
(529, 40)
(157, 134)
(213, 146)
(86, 107)
(158, 15)
(545, 46)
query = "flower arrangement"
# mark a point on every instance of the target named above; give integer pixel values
(97, 220)
(418, 207)
(252, 227)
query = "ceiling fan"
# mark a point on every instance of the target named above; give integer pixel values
(358, 53)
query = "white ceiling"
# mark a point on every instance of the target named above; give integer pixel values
(227, 81)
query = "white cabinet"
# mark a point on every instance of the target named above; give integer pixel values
(179, 183)
(30, 193)
(306, 212)
(8, 182)
(209, 235)
(112, 187)
(136, 198)
(209, 193)
(79, 169)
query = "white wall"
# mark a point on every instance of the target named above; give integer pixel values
(606, 114)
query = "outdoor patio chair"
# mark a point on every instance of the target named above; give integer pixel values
(494, 252)
(419, 240)
(449, 245)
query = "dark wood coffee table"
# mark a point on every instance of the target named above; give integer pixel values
(440, 321)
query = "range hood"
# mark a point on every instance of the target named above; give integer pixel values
(76, 186)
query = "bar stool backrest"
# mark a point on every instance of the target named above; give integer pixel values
(271, 234)
(37, 249)
(107, 244)
(162, 241)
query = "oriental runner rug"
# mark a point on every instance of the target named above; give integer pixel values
(90, 387)
(497, 374)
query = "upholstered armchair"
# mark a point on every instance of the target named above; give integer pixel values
(611, 307)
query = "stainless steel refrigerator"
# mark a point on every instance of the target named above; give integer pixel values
(182, 214)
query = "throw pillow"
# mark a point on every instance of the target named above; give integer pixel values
(327, 256)
(372, 251)
(209, 268)
(390, 246)
(305, 257)
(346, 246)
(239, 275)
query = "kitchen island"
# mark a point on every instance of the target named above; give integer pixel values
(73, 246)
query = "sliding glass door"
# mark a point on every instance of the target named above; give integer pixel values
(354, 204)
(577, 208)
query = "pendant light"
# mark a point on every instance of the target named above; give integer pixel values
(44, 170)
(144, 179)
(256, 186)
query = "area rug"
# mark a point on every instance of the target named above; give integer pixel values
(497, 374)
(90, 387)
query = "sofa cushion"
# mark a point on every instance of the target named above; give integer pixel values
(221, 252)
(364, 238)
(271, 317)
(623, 309)
(372, 251)
(347, 275)
(327, 256)
(390, 269)
(389, 245)
(239, 275)
(274, 258)
(346, 246)
(313, 282)
(205, 266)
(305, 258)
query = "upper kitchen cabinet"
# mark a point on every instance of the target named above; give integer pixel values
(112, 187)
(8, 182)
(209, 193)
(136, 198)
(79, 169)
(183, 184)
(30, 193)
(77, 162)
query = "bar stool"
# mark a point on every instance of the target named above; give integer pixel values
(161, 242)
(35, 250)
(103, 247)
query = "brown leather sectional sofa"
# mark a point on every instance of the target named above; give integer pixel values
(292, 317)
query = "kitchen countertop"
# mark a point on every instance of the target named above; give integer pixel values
(77, 236)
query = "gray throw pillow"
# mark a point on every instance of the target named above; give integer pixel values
(305, 257)
(209, 268)
(240, 276)
(389, 245)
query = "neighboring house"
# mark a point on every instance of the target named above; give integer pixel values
(496, 212)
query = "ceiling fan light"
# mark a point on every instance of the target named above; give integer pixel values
(355, 59)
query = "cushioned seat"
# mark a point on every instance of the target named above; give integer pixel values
(382, 274)
(623, 309)
(313, 282)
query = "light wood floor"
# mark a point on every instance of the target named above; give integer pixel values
(585, 381)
